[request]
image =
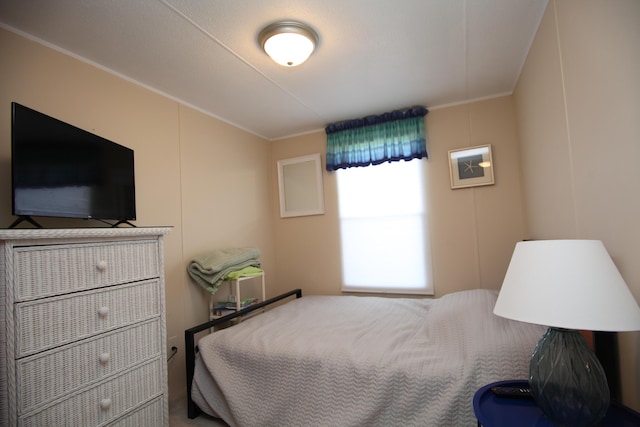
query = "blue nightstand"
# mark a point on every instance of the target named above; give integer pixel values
(495, 411)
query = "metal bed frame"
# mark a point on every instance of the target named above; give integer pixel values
(191, 349)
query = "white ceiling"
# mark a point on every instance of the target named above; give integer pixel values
(373, 56)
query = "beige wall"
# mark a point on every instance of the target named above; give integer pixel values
(206, 179)
(474, 229)
(308, 247)
(578, 104)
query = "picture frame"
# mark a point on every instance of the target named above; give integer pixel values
(471, 166)
(300, 186)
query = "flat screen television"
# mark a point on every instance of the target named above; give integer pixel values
(59, 170)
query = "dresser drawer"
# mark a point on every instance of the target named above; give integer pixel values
(149, 415)
(51, 322)
(103, 403)
(46, 270)
(50, 375)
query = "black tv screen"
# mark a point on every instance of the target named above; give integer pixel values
(59, 170)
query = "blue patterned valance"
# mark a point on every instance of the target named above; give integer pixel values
(397, 135)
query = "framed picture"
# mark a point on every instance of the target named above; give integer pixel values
(300, 186)
(471, 167)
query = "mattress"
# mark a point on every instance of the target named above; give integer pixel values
(361, 361)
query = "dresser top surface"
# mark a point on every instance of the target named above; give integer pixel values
(66, 233)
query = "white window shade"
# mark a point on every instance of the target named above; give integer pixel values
(384, 229)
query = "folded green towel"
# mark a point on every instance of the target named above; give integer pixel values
(210, 269)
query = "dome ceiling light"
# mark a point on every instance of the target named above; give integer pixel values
(288, 43)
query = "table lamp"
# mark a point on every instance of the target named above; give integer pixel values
(567, 285)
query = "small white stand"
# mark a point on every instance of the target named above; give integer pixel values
(235, 283)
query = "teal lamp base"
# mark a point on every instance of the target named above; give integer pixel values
(567, 380)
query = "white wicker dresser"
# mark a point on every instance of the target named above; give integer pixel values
(82, 327)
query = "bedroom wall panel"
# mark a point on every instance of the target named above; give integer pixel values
(453, 212)
(474, 229)
(307, 247)
(225, 198)
(540, 112)
(578, 102)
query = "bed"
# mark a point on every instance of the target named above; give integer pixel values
(357, 361)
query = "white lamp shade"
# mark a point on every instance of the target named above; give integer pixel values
(570, 284)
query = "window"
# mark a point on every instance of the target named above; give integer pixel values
(384, 228)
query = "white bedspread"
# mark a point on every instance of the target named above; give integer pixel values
(361, 361)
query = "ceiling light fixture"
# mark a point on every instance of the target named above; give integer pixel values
(288, 43)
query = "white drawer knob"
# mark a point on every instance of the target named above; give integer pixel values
(102, 265)
(103, 311)
(105, 403)
(104, 358)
